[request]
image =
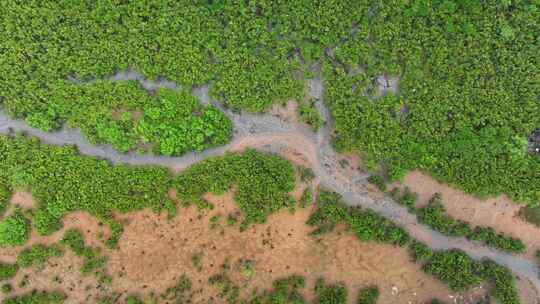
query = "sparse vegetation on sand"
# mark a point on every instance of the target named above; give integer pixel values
(453, 267)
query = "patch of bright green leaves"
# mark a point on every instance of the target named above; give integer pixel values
(14, 229)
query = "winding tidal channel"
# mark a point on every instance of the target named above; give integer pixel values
(267, 132)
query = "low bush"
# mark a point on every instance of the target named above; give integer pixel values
(37, 255)
(306, 198)
(285, 290)
(14, 230)
(420, 251)
(377, 181)
(308, 113)
(330, 294)
(8, 271)
(262, 183)
(434, 215)
(180, 292)
(531, 214)
(92, 260)
(37, 297)
(454, 268)
(368, 295)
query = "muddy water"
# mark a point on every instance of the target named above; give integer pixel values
(268, 133)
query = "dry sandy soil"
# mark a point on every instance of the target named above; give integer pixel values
(155, 251)
(498, 212)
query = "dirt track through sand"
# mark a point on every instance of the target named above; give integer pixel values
(268, 133)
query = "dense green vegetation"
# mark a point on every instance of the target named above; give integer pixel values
(62, 181)
(330, 293)
(262, 183)
(459, 113)
(37, 297)
(453, 267)
(435, 217)
(8, 271)
(467, 98)
(37, 255)
(125, 116)
(14, 229)
(368, 295)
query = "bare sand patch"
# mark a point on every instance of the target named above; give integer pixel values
(497, 212)
(155, 251)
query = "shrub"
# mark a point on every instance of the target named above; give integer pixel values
(7, 288)
(285, 290)
(420, 251)
(38, 297)
(262, 181)
(14, 230)
(377, 181)
(181, 292)
(37, 255)
(8, 271)
(368, 295)
(435, 217)
(306, 198)
(408, 199)
(309, 114)
(92, 260)
(133, 299)
(330, 294)
(455, 268)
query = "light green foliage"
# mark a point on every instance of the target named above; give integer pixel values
(37, 297)
(454, 268)
(125, 116)
(250, 49)
(37, 255)
(458, 114)
(14, 229)
(330, 294)
(308, 114)
(92, 260)
(262, 182)
(8, 271)
(62, 181)
(368, 295)
(284, 291)
(133, 299)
